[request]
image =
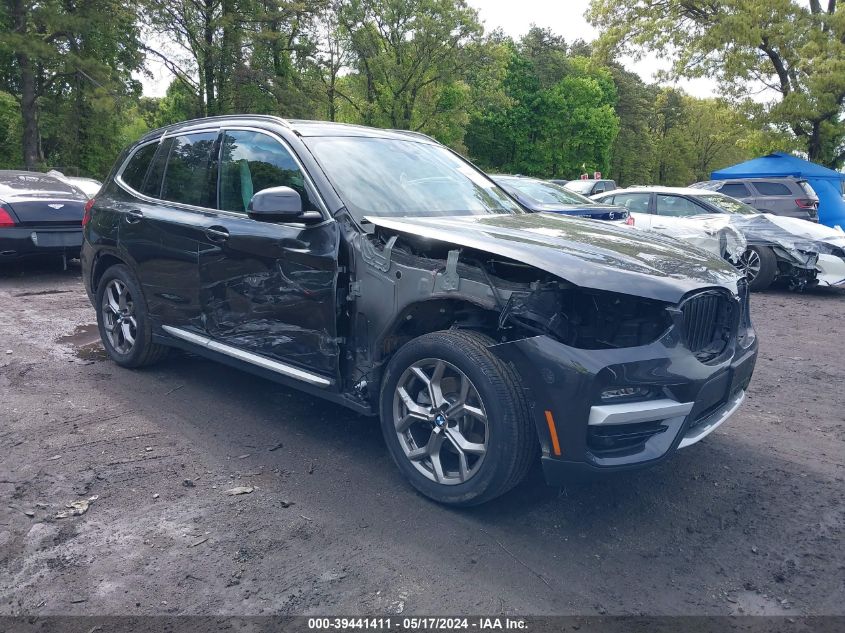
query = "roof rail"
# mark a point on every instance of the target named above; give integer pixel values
(180, 124)
(417, 134)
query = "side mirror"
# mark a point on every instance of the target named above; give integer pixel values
(280, 204)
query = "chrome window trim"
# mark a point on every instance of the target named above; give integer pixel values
(206, 210)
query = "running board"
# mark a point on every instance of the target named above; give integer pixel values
(248, 357)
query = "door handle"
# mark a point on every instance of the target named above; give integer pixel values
(217, 233)
(134, 216)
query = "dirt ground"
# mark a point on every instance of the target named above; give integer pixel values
(748, 521)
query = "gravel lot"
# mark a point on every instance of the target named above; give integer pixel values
(748, 521)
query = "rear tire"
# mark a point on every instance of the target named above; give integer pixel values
(455, 418)
(123, 322)
(760, 267)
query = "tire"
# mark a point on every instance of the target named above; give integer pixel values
(494, 416)
(127, 316)
(760, 267)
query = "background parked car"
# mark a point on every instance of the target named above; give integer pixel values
(792, 197)
(590, 187)
(541, 195)
(88, 186)
(794, 251)
(39, 215)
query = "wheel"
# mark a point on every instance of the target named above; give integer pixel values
(455, 419)
(122, 320)
(760, 267)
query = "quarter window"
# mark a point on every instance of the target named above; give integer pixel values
(136, 169)
(252, 161)
(190, 177)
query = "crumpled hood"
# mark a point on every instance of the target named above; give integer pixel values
(587, 253)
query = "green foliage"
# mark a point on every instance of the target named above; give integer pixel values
(796, 50)
(558, 116)
(10, 132)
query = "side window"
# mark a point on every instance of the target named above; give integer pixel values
(136, 169)
(677, 206)
(152, 185)
(189, 177)
(635, 202)
(771, 188)
(734, 189)
(252, 161)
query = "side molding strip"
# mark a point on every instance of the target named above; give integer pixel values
(248, 357)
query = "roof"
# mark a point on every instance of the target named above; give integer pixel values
(301, 127)
(777, 165)
(682, 191)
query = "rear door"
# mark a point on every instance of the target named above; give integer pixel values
(162, 226)
(269, 288)
(777, 197)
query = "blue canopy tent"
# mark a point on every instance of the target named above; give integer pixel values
(829, 184)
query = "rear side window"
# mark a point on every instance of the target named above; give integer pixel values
(635, 202)
(734, 190)
(190, 176)
(136, 169)
(771, 188)
(677, 207)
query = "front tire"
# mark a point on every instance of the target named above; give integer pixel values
(760, 267)
(455, 418)
(123, 322)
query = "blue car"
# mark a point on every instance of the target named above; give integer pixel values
(543, 196)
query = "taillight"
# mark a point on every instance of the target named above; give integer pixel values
(86, 217)
(806, 203)
(6, 219)
(630, 220)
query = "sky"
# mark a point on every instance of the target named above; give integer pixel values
(514, 17)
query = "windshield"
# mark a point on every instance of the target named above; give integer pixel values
(544, 192)
(396, 178)
(727, 204)
(581, 186)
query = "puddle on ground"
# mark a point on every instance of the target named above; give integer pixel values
(85, 341)
(38, 293)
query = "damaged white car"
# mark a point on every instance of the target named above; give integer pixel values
(769, 248)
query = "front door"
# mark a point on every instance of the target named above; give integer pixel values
(269, 288)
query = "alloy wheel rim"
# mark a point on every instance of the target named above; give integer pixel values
(440, 421)
(119, 319)
(749, 264)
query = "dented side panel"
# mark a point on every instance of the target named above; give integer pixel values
(271, 288)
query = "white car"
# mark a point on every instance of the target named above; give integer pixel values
(798, 252)
(88, 186)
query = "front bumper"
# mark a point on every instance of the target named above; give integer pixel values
(580, 434)
(22, 241)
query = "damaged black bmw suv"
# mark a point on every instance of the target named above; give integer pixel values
(380, 270)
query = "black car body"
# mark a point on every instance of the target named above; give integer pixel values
(381, 271)
(545, 196)
(39, 215)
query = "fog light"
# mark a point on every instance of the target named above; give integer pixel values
(614, 394)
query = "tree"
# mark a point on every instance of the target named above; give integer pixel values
(409, 58)
(797, 51)
(70, 53)
(556, 116)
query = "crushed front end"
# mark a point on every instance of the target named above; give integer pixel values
(636, 383)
